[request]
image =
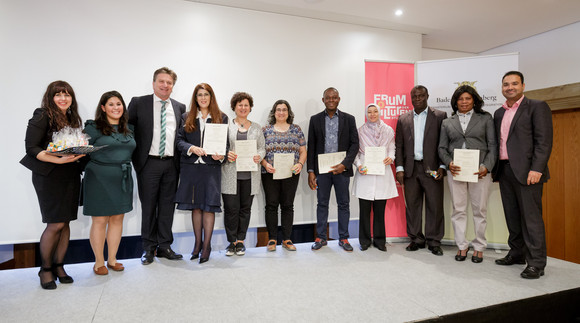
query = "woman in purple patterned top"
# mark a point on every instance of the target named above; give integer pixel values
(282, 137)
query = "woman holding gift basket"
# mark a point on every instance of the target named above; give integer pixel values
(56, 179)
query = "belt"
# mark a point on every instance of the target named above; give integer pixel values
(419, 161)
(504, 161)
(127, 180)
(160, 157)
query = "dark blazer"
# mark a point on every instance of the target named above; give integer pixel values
(187, 139)
(479, 134)
(141, 117)
(529, 141)
(38, 136)
(405, 141)
(347, 140)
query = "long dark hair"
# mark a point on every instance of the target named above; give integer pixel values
(57, 119)
(214, 110)
(272, 114)
(101, 116)
(477, 100)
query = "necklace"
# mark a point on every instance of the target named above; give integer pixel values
(241, 124)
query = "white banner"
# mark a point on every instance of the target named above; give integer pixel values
(484, 73)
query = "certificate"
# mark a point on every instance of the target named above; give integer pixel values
(374, 157)
(283, 164)
(246, 150)
(468, 160)
(215, 137)
(325, 161)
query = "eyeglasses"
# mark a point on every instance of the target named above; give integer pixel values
(281, 110)
(201, 95)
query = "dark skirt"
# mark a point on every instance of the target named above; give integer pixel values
(58, 193)
(199, 187)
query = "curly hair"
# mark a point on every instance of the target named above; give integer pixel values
(58, 120)
(101, 120)
(477, 100)
(272, 114)
(239, 97)
(214, 110)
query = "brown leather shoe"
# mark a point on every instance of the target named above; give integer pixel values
(101, 271)
(116, 267)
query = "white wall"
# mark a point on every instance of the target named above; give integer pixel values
(429, 54)
(548, 59)
(101, 45)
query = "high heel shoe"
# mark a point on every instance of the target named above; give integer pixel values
(48, 285)
(476, 259)
(459, 257)
(66, 279)
(205, 255)
(194, 254)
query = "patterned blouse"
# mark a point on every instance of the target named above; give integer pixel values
(288, 141)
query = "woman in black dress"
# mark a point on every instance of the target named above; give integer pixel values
(55, 179)
(200, 175)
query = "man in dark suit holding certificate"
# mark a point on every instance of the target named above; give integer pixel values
(156, 119)
(524, 132)
(331, 131)
(420, 171)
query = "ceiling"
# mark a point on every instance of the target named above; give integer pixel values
(471, 26)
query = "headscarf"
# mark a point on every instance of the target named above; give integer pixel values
(372, 134)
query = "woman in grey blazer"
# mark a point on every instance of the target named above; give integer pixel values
(239, 187)
(469, 127)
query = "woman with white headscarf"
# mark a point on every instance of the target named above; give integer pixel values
(374, 190)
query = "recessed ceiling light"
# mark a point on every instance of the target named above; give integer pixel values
(398, 12)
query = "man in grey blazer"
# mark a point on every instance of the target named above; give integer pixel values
(524, 132)
(420, 171)
(156, 119)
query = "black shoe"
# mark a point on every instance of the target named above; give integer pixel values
(231, 249)
(437, 251)
(345, 245)
(205, 255)
(509, 260)
(195, 253)
(66, 279)
(147, 257)
(414, 246)
(459, 257)
(318, 243)
(364, 247)
(381, 246)
(240, 249)
(532, 272)
(476, 259)
(168, 253)
(49, 284)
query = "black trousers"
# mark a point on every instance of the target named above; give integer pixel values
(522, 205)
(364, 227)
(280, 192)
(237, 211)
(417, 187)
(157, 183)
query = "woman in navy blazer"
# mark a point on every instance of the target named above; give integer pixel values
(200, 177)
(469, 127)
(55, 179)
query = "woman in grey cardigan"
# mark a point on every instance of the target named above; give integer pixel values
(239, 187)
(469, 127)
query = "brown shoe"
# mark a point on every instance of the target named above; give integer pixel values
(272, 245)
(101, 271)
(116, 267)
(288, 245)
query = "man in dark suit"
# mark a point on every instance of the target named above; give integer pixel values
(156, 119)
(420, 171)
(524, 132)
(332, 131)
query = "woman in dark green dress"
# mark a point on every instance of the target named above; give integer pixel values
(108, 184)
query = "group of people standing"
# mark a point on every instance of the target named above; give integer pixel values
(164, 143)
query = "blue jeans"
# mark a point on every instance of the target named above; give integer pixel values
(325, 183)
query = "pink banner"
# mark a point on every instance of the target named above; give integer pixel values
(388, 85)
